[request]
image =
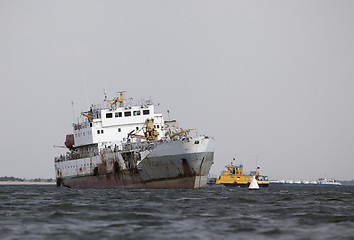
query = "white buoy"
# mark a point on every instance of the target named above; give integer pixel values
(254, 184)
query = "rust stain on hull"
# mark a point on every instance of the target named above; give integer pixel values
(186, 168)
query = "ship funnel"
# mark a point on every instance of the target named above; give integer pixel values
(254, 184)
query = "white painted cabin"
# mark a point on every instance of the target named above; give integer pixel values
(113, 125)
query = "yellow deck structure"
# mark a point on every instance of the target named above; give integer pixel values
(233, 176)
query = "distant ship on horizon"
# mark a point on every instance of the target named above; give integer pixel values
(319, 182)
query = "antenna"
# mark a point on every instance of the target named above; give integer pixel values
(105, 94)
(169, 122)
(72, 106)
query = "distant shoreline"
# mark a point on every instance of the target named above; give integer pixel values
(25, 183)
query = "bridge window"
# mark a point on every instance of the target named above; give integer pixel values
(146, 112)
(136, 113)
(119, 130)
(127, 114)
(109, 115)
(101, 131)
(118, 114)
(98, 131)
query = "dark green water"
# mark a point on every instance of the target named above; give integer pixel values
(279, 212)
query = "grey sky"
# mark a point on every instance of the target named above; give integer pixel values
(273, 79)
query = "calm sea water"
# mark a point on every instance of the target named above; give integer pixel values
(279, 212)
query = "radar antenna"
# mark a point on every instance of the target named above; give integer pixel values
(119, 99)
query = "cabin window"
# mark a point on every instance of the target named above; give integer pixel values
(137, 128)
(136, 113)
(127, 114)
(119, 130)
(118, 114)
(158, 126)
(98, 132)
(101, 131)
(232, 177)
(109, 115)
(90, 124)
(246, 178)
(238, 178)
(146, 112)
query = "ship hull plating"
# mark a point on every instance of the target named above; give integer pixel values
(109, 181)
(172, 164)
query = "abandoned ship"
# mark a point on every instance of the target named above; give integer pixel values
(119, 144)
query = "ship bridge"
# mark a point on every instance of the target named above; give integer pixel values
(114, 123)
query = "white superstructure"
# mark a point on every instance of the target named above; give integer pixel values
(111, 125)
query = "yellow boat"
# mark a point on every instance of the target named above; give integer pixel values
(233, 176)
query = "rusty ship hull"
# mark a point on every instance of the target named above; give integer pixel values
(153, 164)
